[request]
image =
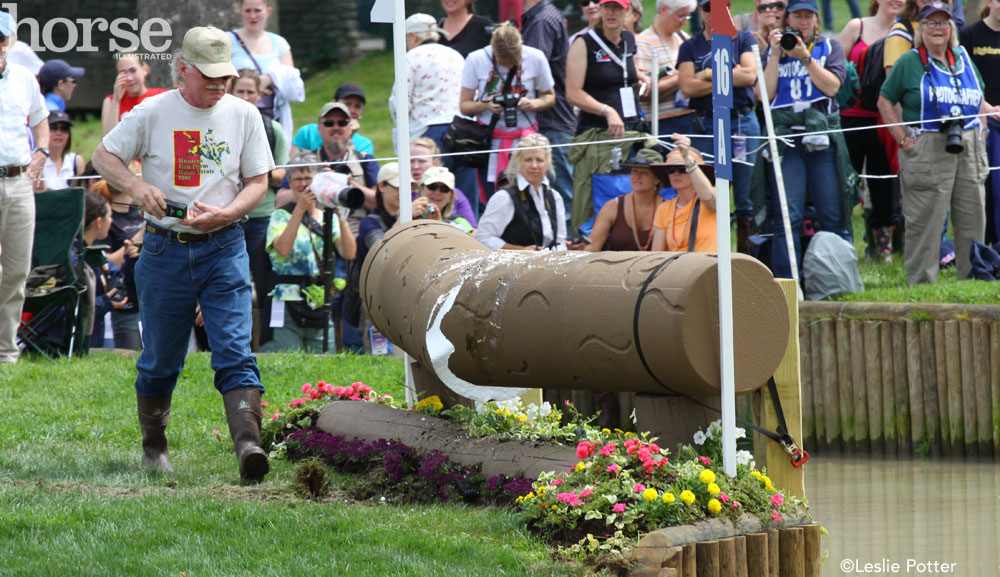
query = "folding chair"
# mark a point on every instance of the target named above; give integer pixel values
(55, 318)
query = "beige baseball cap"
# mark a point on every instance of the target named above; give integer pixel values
(331, 106)
(440, 175)
(390, 174)
(210, 50)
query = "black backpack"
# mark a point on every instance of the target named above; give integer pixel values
(872, 77)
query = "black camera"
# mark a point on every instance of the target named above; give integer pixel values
(790, 39)
(953, 131)
(176, 209)
(509, 104)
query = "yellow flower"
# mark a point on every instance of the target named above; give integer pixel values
(668, 498)
(554, 507)
(767, 482)
(619, 431)
(707, 476)
(522, 418)
(581, 466)
(713, 489)
(606, 431)
(714, 506)
(628, 434)
(650, 494)
(687, 497)
(542, 490)
(434, 402)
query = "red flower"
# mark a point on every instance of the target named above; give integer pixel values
(584, 449)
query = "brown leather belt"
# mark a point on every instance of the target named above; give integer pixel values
(187, 236)
(10, 171)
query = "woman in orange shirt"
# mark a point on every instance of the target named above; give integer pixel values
(674, 224)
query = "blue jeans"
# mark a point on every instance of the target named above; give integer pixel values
(563, 169)
(745, 125)
(173, 277)
(678, 124)
(819, 169)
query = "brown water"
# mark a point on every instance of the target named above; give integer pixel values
(907, 517)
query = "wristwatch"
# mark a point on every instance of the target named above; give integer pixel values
(806, 61)
(43, 150)
(691, 167)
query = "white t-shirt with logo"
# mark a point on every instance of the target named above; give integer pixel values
(193, 153)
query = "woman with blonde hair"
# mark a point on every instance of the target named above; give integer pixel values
(526, 214)
(505, 85)
(424, 154)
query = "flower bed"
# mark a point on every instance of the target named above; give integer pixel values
(622, 486)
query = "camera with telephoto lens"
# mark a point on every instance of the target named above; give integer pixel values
(953, 130)
(790, 39)
(333, 190)
(509, 104)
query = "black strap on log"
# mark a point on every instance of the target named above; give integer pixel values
(781, 435)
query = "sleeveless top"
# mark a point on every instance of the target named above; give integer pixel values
(604, 77)
(620, 235)
(855, 56)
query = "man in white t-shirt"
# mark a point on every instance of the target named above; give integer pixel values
(206, 151)
(21, 107)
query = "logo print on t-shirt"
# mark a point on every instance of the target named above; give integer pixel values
(189, 149)
(187, 160)
(601, 56)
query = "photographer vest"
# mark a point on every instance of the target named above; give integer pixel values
(525, 227)
(944, 93)
(795, 87)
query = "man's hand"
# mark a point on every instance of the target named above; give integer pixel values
(35, 167)
(209, 217)
(149, 198)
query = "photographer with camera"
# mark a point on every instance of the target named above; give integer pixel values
(512, 81)
(295, 246)
(942, 160)
(803, 72)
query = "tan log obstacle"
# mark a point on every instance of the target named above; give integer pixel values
(901, 379)
(719, 548)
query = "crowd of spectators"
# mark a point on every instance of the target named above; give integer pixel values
(559, 103)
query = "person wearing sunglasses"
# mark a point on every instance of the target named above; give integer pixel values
(58, 81)
(61, 165)
(690, 214)
(760, 21)
(626, 222)
(868, 144)
(591, 13)
(438, 187)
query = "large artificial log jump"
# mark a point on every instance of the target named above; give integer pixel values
(568, 320)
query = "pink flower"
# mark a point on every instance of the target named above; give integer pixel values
(705, 460)
(584, 449)
(638, 487)
(608, 449)
(297, 402)
(618, 508)
(586, 493)
(566, 402)
(663, 461)
(216, 432)
(654, 447)
(777, 500)
(613, 468)
(305, 388)
(263, 403)
(557, 482)
(275, 417)
(775, 516)
(724, 497)
(572, 499)
(644, 455)
(735, 505)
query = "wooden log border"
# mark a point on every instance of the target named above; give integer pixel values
(901, 379)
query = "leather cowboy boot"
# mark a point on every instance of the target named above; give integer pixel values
(744, 229)
(243, 413)
(154, 414)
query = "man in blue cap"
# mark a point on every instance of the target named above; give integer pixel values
(58, 81)
(21, 108)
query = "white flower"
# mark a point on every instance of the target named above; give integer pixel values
(699, 438)
(545, 410)
(741, 433)
(744, 458)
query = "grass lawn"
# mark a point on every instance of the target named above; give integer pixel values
(77, 503)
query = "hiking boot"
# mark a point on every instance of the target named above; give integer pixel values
(243, 413)
(154, 414)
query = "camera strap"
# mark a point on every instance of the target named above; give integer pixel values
(930, 77)
(504, 89)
